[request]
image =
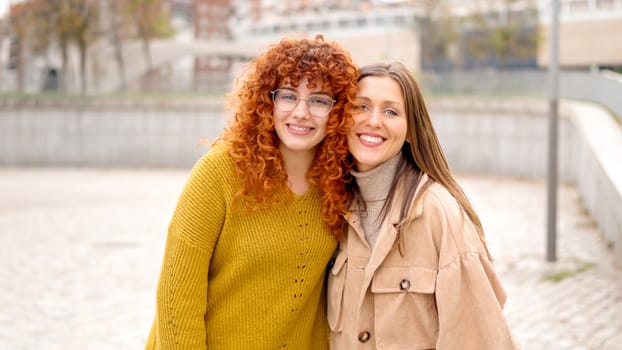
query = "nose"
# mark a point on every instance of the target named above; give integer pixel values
(301, 110)
(373, 118)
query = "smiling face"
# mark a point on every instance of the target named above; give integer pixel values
(379, 129)
(298, 130)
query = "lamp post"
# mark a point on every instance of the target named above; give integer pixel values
(553, 77)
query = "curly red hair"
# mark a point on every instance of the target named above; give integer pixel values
(254, 142)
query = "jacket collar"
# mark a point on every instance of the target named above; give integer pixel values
(389, 230)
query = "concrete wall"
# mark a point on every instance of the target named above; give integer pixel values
(106, 134)
(488, 137)
(509, 138)
(597, 163)
(503, 138)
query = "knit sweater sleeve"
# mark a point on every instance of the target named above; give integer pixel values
(192, 235)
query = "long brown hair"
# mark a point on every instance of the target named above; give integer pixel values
(422, 152)
(251, 133)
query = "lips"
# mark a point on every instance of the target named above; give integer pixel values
(299, 129)
(370, 139)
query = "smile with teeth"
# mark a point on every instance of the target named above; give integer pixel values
(371, 139)
(299, 128)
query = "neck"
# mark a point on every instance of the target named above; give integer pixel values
(374, 184)
(297, 165)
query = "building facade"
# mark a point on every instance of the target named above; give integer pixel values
(589, 34)
(211, 19)
(372, 30)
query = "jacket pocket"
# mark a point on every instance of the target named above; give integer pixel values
(335, 290)
(405, 307)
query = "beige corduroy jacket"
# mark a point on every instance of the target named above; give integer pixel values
(439, 292)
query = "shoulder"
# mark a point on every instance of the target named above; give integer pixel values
(214, 171)
(216, 157)
(432, 207)
(436, 207)
(216, 162)
(437, 197)
(432, 198)
(448, 223)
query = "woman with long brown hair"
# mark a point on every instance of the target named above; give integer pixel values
(413, 271)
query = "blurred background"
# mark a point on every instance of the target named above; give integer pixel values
(194, 46)
(103, 104)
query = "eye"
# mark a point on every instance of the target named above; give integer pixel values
(286, 95)
(390, 112)
(320, 100)
(363, 108)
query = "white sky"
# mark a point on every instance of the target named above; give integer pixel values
(4, 6)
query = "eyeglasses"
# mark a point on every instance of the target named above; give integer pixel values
(286, 100)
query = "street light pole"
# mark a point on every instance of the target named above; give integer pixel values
(551, 227)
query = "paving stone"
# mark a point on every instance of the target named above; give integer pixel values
(81, 251)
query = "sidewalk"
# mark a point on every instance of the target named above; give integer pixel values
(574, 303)
(81, 252)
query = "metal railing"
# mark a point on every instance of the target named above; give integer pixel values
(604, 88)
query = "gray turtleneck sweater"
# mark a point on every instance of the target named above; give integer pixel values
(374, 188)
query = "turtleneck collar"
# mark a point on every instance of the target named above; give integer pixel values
(374, 184)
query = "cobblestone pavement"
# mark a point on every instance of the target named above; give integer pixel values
(81, 250)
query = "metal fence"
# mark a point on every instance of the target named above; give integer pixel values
(604, 88)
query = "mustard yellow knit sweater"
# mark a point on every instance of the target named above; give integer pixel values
(234, 280)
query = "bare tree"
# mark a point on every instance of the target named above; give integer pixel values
(19, 22)
(63, 42)
(80, 19)
(55, 29)
(76, 24)
(116, 22)
(3, 34)
(72, 22)
(151, 21)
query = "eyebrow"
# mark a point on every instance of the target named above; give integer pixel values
(291, 88)
(396, 103)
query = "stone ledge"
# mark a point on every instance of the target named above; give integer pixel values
(106, 103)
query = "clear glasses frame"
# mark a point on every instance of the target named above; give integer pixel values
(286, 100)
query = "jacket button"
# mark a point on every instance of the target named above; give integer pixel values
(405, 284)
(364, 336)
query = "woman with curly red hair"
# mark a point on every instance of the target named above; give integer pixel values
(257, 222)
